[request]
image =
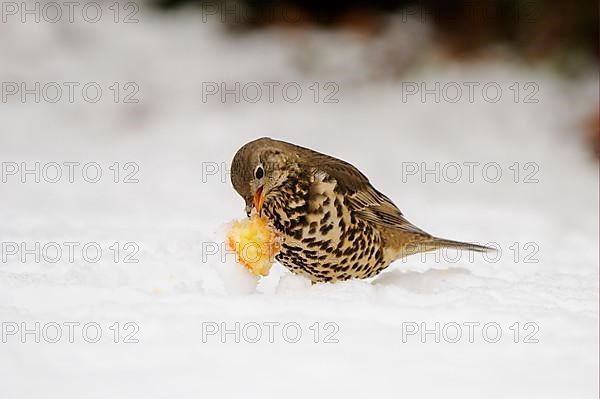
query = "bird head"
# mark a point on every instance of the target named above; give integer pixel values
(258, 169)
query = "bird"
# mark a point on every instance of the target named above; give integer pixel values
(335, 225)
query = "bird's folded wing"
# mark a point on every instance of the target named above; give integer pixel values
(364, 200)
(374, 207)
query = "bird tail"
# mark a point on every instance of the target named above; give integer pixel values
(420, 243)
(436, 243)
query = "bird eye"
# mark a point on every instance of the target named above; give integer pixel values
(259, 172)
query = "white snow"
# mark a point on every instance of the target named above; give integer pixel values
(181, 292)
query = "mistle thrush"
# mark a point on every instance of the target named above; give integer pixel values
(335, 224)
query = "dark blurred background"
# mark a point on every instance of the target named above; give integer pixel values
(563, 34)
(535, 28)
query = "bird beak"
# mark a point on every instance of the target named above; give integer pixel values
(258, 199)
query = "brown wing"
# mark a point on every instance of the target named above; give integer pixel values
(364, 200)
(372, 206)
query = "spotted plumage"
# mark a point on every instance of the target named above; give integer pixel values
(335, 224)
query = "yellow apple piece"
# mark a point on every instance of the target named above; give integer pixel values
(255, 243)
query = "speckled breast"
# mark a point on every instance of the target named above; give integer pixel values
(322, 239)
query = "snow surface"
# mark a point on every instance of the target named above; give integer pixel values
(178, 290)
